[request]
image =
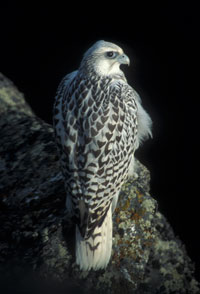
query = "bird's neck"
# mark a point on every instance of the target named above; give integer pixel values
(93, 74)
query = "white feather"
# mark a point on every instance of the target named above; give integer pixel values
(144, 122)
(98, 258)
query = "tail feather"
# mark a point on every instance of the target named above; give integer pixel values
(94, 252)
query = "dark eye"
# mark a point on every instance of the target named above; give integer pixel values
(111, 54)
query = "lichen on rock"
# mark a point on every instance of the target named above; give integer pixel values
(37, 236)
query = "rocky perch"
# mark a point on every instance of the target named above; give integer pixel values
(37, 237)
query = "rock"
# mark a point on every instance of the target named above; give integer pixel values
(37, 236)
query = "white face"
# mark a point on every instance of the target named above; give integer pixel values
(107, 62)
(105, 58)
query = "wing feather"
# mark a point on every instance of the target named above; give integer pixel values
(95, 144)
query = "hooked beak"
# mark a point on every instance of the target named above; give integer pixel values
(123, 59)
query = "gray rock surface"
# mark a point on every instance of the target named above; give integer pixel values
(37, 237)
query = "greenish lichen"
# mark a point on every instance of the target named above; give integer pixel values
(35, 231)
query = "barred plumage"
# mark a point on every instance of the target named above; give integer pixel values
(99, 122)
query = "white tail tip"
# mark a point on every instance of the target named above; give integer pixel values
(94, 252)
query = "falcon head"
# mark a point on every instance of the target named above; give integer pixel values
(104, 58)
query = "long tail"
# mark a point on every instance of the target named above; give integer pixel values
(94, 253)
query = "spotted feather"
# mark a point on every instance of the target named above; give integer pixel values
(99, 122)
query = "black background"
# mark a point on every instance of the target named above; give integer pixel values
(40, 44)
